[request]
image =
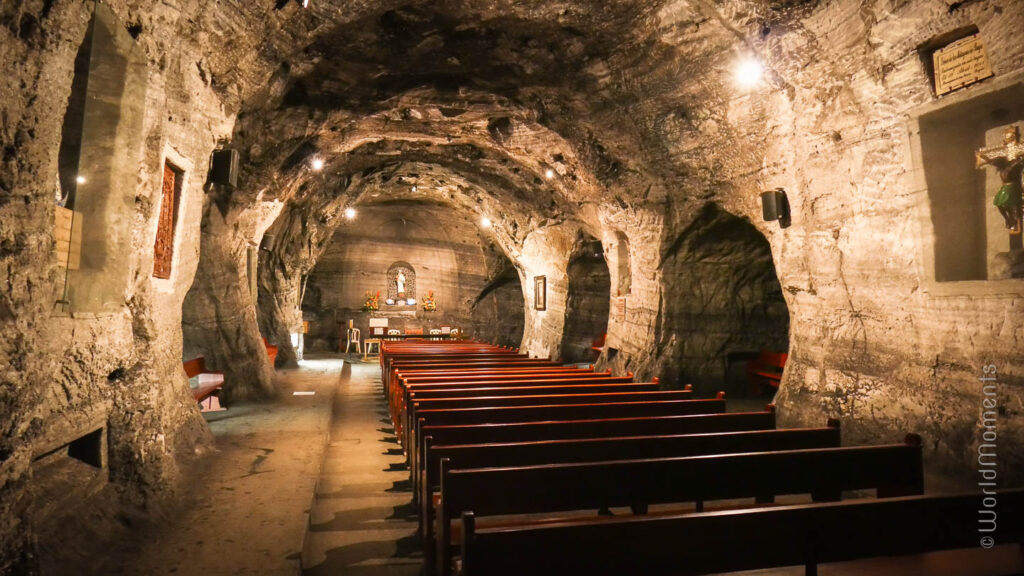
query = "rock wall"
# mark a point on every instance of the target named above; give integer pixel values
(63, 374)
(442, 248)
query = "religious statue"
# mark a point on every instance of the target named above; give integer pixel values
(428, 302)
(400, 283)
(1009, 161)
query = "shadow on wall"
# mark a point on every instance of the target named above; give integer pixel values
(498, 312)
(587, 303)
(722, 304)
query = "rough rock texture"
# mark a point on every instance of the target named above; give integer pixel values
(586, 314)
(726, 302)
(619, 120)
(441, 251)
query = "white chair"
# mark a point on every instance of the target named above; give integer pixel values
(353, 338)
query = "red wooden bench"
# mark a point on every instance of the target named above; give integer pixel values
(755, 539)
(764, 370)
(824, 473)
(209, 384)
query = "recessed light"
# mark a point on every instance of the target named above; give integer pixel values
(350, 213)
(748, 73)
(485, 222)
(549, 173)
(318, 164)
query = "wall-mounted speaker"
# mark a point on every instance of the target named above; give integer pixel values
(775, 206)
(769, 209)
(224, 167)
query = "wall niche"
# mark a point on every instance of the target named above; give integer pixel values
(970, 240)
(101, 144)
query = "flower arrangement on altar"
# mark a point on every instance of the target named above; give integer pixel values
(372, 301)
(428, 302)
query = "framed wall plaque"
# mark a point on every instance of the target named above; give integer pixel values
(540, 292)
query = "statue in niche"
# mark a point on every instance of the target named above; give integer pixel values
(400, 284)
(1009, 162)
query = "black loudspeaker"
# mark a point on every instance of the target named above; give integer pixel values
(775, 206)
(224, 167)
(267, 243)
(768, 206)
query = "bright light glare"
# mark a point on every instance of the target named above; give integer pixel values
(748, 73)
(549, 173)
(80, 179)
(485, 222)
(318, 164)
(350, 213)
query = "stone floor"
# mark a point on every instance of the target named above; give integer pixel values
(316, 485)
(247, 509)
(362, 522)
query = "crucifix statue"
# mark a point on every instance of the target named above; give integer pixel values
(1009, 162)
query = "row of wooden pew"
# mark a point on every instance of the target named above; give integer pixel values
(516, 463)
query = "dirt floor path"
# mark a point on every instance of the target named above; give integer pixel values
(248, 510)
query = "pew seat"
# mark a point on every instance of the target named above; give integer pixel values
(208, 384)
(802, 536)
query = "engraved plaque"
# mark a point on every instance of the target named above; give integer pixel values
(960, 64)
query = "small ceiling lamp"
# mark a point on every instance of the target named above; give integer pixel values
(317, 164)
(748, 73)
(350, 213)
(485, 222)
(80, 179)
(549, 173)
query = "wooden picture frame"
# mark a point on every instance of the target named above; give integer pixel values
(540, 292)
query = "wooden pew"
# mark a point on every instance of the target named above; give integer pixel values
(553, 412)
(716, 542)
(487, 365)
(209, 383)
(592, 428)
(603, 449)
(400, 397)
(452, 404)
(404, 409)
(892, 470)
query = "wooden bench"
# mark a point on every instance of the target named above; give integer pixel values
(453, 404)
(516, 415)
(602, 449)
(209, 383)
(592, 428)
(553, 412)
(481, 365)
(824, 473)
(727, 541)
(271, 352)
(408, 391)
(765, 369)
(508, 378)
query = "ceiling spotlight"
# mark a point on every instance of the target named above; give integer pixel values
(549, 173)
(350, 213)
(317, 164)
(80, 179)
(748, 73)
(485, 222)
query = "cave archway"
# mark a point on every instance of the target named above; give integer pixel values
(723, 303)
(499, 311)
(587, 303)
